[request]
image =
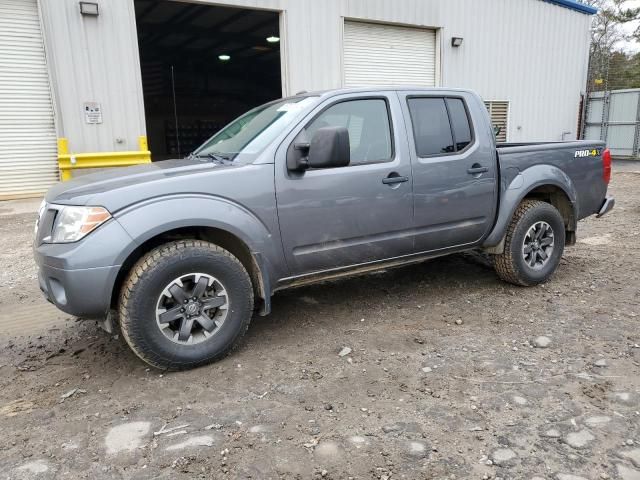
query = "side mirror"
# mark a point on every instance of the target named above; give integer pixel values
(329, 148)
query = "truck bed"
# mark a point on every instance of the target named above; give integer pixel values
(584, 172)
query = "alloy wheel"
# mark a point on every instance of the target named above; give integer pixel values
(192, 308)
(538, 245)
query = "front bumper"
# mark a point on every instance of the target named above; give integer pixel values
(83, 293)
(608, 203)
(79, 277)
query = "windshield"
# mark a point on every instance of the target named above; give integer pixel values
(247, 136)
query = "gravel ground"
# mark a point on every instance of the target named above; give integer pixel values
(445, 372)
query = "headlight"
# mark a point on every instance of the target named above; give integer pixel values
(73, 223)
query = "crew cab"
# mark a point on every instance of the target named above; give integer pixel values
(300, 190)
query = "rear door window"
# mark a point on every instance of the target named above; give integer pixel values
(459, 123)
(440, 125)
(431, 129)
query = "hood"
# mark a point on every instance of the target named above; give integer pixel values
(118, 187)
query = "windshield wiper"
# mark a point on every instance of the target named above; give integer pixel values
(217, 156)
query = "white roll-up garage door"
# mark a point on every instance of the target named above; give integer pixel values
(28, 147)
(376, 54)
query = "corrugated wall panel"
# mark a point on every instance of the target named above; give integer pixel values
(28, 148)
(95, 59)
(595, 110)
(530, 53)
(593, 132)
(624, 106)
(620, 139)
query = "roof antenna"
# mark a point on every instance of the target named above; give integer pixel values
(175, 110)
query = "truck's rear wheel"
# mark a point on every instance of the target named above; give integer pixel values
(185, 304)
(533, 245)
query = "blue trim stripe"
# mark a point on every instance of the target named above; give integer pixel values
(573, 5)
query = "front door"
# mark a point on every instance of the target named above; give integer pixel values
(338, 217)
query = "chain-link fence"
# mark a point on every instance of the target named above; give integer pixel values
(611, 106)
(613, 71)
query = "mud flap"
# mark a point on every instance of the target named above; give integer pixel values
(107, 323)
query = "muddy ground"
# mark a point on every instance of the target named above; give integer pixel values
(442, 381)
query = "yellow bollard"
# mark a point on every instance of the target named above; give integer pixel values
(63, 149)
(143, 146)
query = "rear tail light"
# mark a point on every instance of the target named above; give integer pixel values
(606, 166)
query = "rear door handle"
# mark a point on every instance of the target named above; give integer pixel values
(394, 178)
(476, 168)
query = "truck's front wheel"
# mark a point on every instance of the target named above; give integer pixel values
(185, 304)
(533, 245)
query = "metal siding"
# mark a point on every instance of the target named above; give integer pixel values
(28, 163)
(624, 106)
(595, 110)
(407, 12)
(95, 59)
(530, 53)
(376, 54)
(313, 42)
(593, 132)
(620, 139)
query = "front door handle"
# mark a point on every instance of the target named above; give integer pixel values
(476, 169)
(394, 177)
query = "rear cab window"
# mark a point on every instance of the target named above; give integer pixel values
(441, 125)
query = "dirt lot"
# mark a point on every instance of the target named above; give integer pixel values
(442, 380)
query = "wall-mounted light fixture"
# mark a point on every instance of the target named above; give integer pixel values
(456, 41)
(89, 8)
(273, 39)
(224, 58)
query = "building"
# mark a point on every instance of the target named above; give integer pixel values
(103, 75)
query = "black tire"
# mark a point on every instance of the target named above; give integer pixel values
(144, 287)
(511, 265)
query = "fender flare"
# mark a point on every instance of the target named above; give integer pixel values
(519, 187)
(150, 218)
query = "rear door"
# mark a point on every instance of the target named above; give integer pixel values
(454, 171)
(337, 217)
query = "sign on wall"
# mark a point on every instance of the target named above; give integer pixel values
(92, 112)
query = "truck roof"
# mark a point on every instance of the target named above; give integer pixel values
(378, 88)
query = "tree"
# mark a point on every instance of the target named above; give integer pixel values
(624, 71)
(609, 67)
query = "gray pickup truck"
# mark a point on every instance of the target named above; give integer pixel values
(301, 190)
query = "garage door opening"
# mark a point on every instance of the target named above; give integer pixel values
(202, 66)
